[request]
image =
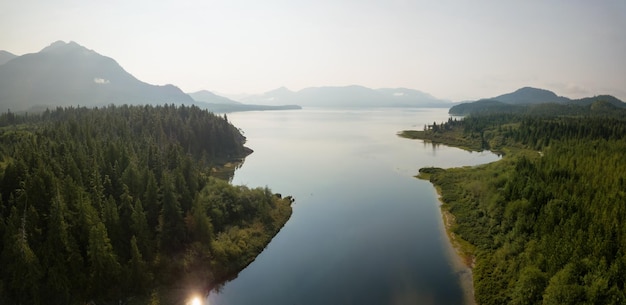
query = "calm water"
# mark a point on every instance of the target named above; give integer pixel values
(363, 229)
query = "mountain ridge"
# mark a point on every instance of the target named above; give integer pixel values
(69, 74)
(5, 56)
(207, 96)
(534, 100)
(348, 96)
(530, 95)
(64, 74)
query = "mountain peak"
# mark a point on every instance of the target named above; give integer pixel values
(68, 74)
(534, 90)
(206, 96)
(61, 46)
(530, 95)
(528, 99)
(280, 90)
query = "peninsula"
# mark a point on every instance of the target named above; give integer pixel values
(543, 224)
(119, 205)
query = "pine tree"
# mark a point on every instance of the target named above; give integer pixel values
(139, 277)
(57, 284)
(104, 269)
(140, 230)
(171, 223)
(20, 264)
(151, 202)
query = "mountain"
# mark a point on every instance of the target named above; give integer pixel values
(278, 96)
(538, 101)
(348, 96)
(411, 98)
(529, 95)
(64, 74)
(219, 104)
(609, 99)
(5, 57)
(212, 98)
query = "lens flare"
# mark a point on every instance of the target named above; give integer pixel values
(196, 301)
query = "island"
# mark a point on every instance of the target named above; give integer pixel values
(543, 225)
(119, 205)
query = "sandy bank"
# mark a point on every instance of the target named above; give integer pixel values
(462, 262)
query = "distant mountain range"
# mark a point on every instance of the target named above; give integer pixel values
(68, 74)
(222, 104)
(538, 101)
(348, 96)
(64, 74)
(206, 96)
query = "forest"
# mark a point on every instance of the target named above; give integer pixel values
(118, 205)
(545, 224)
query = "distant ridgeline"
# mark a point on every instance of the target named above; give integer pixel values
(545, 223)
(540, 102)
(68, 74)
(116, 205)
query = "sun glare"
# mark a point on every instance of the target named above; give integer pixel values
(196, 301)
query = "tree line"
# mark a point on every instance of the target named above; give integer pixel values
(547, 221)
(117, 205)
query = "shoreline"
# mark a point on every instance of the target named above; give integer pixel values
(462, 262)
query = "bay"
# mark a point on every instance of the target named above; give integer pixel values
(363, 229)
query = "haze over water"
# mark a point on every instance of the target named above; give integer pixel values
(364, 230)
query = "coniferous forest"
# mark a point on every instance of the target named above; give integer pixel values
(547, 223)
(117, 205)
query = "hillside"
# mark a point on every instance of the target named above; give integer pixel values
(544, 225)
(64, 74)
(116, 205)
(538, 101)
(219, 104)
(211, 98)
(5, 57)
(529, 95)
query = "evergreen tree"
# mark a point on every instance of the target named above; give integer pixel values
(92, 204)
(104, 269)
(171, 223)
(139, 277)
(140, 230)
(58, 286)
(21, 266)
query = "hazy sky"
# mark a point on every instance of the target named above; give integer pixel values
(457, 50)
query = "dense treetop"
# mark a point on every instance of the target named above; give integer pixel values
(604, 105)
(117, 204)
(546, 223)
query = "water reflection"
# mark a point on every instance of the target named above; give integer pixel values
(363, 229)
(433, 145)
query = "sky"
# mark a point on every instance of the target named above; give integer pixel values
(457, 50)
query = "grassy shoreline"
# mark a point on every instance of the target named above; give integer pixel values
(453, 185)
(461, 251)
(545, 219)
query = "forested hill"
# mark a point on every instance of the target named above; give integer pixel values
(117, 205)
(535, 101)
(546, 223)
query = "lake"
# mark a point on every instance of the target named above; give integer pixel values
(363, 229)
